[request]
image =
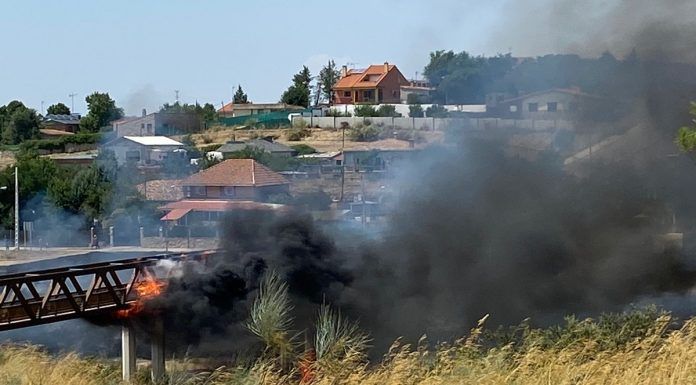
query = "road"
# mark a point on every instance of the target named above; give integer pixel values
(29, 260)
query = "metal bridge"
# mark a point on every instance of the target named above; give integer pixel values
(52, 295)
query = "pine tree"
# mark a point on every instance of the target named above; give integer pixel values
(240, 97)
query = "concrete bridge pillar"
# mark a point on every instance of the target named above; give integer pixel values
(157, 352)
(127, 351)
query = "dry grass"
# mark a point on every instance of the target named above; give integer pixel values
(322, 140)
(659, 356)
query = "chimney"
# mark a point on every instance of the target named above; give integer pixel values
(386, 67)
(144, 112)
(344, 71)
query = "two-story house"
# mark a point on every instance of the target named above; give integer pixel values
(230, 185)
(376, 84)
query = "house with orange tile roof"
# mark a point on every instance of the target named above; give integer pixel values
(376, 84)
(232, 184)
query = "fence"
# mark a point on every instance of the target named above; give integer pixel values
(434, 124)
(273, 119)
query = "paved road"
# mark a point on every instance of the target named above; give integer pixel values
(30, 260)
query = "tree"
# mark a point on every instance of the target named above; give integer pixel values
(328, 77)
(58, 109)
(686, 137)
(298, 93)
(240, 97)
(102, 111)
(303, 78)
(415, 111)
(18, 123)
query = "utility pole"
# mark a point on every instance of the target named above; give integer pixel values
(16, 211)
(343, 162)
(72, 102)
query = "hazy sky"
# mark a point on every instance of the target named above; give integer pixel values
(141, 51)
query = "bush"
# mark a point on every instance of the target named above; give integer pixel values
(436, 111)
(295, 135)
(303, 149)
(366, 110)
(362, 133)
(206, 139)
(415, 111)
(388, 111)
(338, 114)
(60, 144)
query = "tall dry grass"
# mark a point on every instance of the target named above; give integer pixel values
(568, 355)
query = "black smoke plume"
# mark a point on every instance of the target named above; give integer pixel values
(475, 232)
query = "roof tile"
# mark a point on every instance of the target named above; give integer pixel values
(236, 172)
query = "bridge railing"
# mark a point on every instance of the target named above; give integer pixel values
(39, 297)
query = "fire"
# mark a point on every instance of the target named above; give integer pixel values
(147, 288)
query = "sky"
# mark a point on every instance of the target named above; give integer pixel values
(140, 52)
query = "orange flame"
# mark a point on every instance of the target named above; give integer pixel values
(306, 367)
(147, 288)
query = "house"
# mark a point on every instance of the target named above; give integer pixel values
(374, 85)
(274, 148)
(231, 185)
(65, 123)
(235, 179)
(158, 123)
(553, 104)
(208, 213)
(420, 89)
(247, 109)
(143, 150)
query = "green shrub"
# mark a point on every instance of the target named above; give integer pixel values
(388, 111)
(436, 111)
(303, 149)
(60, 144)
(365, 110)
(415, 111)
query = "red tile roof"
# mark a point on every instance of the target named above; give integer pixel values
(178, 210)
(360, 78)
(236, 172)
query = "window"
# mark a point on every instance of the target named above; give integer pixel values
(533, 107)
(133, 156)
(367, 94)
(551, 106)
(142, 125)
(229, 191)
(394, 93)
(513, 108)
(346, 94)
(199, 191)
(149, 127)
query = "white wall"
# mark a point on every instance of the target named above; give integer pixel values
(430, 124)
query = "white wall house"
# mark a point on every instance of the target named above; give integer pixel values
(143, 150)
